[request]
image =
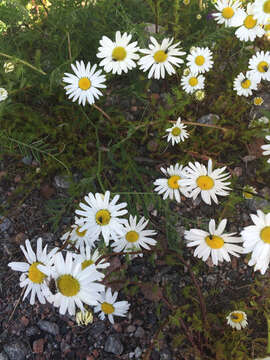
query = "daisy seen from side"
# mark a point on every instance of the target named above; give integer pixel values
(108, 306)
(77, 237)
(249, 192)
(85, 84)
(200, 60)
(32, 278)
(266, 148)
(214, 243)
(237, 319)
(244, 84)
(119, 55)
(102, 216)
(160, 58)
(74, 286)
(177, 132)
(256, 239)
(259, 66)
(258, 101)
(209, 183)
(135, 236)
(192, 82)
(262, 11)
(229, 13)
(250, 28)
(169, 186)
(3, 94)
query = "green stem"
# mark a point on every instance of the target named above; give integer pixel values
(23, 62)
(268, 333)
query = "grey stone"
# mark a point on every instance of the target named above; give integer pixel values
(130, 329)
(165, 355)
(97, 328)
(5, 224)
(137, 352)
(3, 356)
(27, 160)
(32, 330)
(139, 333)
(62, 181)
(48, 326)
(16, 350)
(208, 119)
(113, 345)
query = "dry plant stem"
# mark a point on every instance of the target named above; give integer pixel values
(102, 112)
(23, 62)
(156, 15)
(268, 332)
(69, 46)
(17, 303)
(204, 125)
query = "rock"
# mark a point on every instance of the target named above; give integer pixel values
(48, 326)
(138, 352)
(16, 350)
(3, 356)
(97, 329)
(165, 355)
(62, 181)
(32, 330)
(113, 345)
(130, 329)
(5, 224)
(139, 333)
(208, 119)
(27, 160)
(38, 346)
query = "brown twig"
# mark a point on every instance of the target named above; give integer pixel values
(16, 305)
(102, 112)
(69, 46)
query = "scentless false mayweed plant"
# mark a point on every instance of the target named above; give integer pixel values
(146, 116)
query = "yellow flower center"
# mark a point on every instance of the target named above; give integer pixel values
(237, 317)
(132, 236)
(205, 182)
(200, 60)
(176, 131)
(214, 242)
(84, 83)
(103, 217)
(193, 81)
(173, 182)
(265, 234)
(247, 195)
(245, 84)
(35, 275)
(107, 308)
(160, 56)
(227, 12)
(80, 233)
(267, 27)
(119, 53)
(266, 7)
(87, 263)
(258, 101)
(68, 285)
(263, 66)
(250, 22)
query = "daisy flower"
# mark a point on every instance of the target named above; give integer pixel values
(192, 82)
(229, 13)
(84, 85)
(102, 216)
(109, 307)
(244, 84)
(135, 236)
(266, 148)
(200, 95)
(160, 58)
(247, 190)
(262, 11)
(177, 133)
(214, 243)
(32, 278)
(169, 186)
(207, 182)
(3, 94)
(88, 257)
(258, 101)
(77, 237)
(256, 239)
(119, 55)
(200, 60)
(259, 66)
(237, 319)
(74, 286)
(250, 28)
